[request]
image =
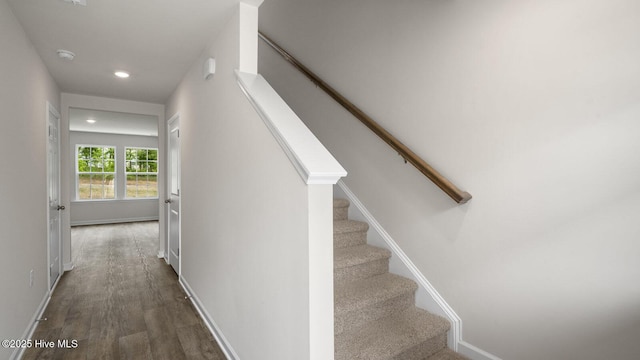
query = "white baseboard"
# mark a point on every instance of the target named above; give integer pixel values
(28, 333)
(67, 266)
(427, 297)
(226, 348)
(160, 254)
(113, 221)
(474, 353)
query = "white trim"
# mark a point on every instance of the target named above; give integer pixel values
(161, 254)
(168, 176)
(68, 266)
(427, 297)
(111, 201)
(225, 346)
(165, 208)
(311, 159)
(52, 110)
(474, 353)
(28, 333)
(113, 221)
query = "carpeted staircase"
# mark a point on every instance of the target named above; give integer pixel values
(375, 313)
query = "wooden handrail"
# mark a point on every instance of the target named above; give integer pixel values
(443, 183)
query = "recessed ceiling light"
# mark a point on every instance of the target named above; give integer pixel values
(65, 54)
(91, 121)
(122, 74)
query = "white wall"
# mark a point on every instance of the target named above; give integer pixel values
(244, 208)
(25, 87)
(121, 209)
(532, 107)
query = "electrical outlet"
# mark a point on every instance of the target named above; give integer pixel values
(31, 278)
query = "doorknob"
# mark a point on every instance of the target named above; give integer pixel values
(61, 207)
(168, 201)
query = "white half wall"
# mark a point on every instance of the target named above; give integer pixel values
(531, 106)
(256, 241)
(25, 89)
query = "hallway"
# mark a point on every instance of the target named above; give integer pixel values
(121, 302)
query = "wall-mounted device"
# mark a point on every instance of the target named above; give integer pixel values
(209, 68)
(65, 54)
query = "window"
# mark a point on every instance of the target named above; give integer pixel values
(141, 168)
(95, 171)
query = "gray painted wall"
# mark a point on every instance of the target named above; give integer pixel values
(25, 87)
(531, 106)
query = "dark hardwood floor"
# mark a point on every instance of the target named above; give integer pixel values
(121, 302)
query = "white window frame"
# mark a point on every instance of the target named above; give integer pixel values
(126, 173)
(114, 173)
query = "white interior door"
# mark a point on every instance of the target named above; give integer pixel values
(53, 193)
(173, 198)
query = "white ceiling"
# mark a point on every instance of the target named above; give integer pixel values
(155, 40)
(112, 122)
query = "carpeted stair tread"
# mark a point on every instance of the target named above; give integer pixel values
(413, 334)
(359, 262)
(349, 233)
(369, 299)
(446, 354)
(349, 226)
(356, 255)
(360, 294)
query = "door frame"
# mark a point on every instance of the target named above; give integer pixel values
(50, 109)
(173, 119)
(68, 101)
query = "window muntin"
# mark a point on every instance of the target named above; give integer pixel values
(95, 172)
(141, 170)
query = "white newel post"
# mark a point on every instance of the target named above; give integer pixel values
(321, 337)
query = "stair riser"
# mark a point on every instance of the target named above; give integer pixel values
(358, 317)
(340, 213)
(349, 239)
(361, 271)
(425, 349)
(420, 352)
